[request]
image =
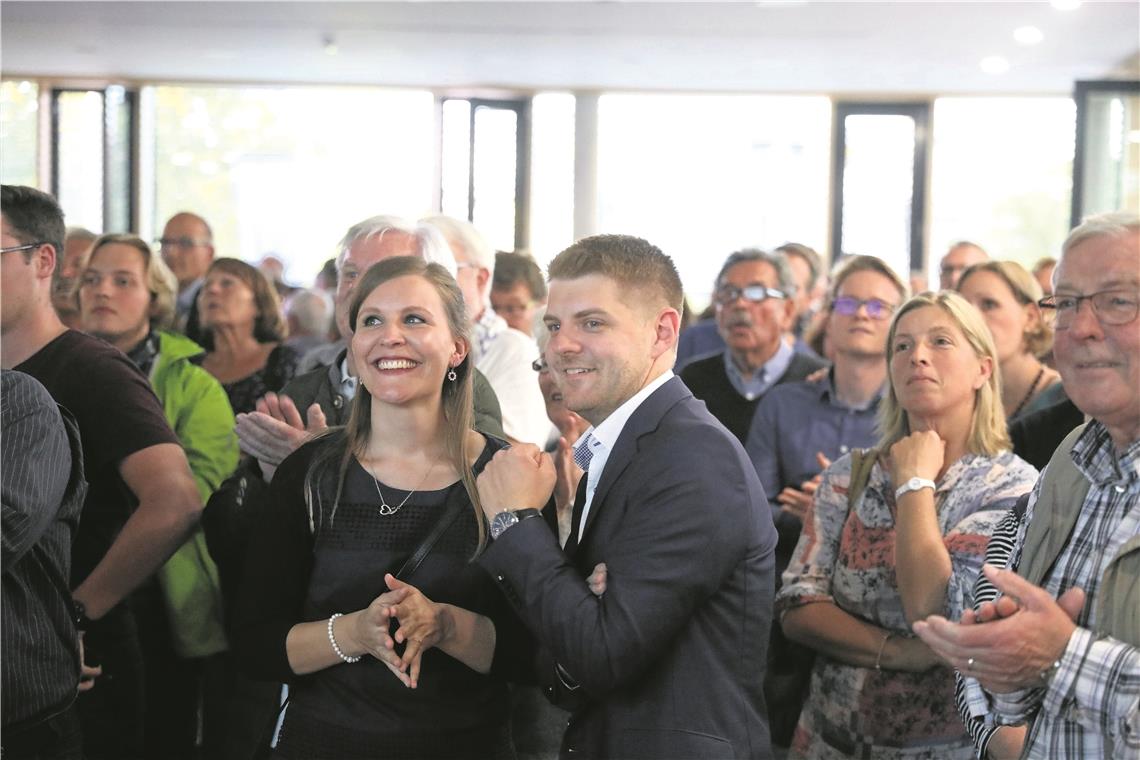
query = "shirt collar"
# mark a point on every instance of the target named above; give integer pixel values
(825, 386)
(187, 295)
(764, 378)
(607, 433)
(1095, 455)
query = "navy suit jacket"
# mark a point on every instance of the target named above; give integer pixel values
(669, 662)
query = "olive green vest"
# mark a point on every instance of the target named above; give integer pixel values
(1055, 516)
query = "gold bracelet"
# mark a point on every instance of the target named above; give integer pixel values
(882, 646)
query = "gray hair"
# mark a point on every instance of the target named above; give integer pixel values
(432, 245)
(808, 255)
(1114, 224)
(311, 310)
(776, 260)
(463, 234)
(79, 233)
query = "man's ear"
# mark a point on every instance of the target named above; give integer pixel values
(44, 260)
(482, 276)
(667, 326)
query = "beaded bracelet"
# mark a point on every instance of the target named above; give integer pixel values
(878, 658)
(335, 646)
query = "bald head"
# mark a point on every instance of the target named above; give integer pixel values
(187, 247)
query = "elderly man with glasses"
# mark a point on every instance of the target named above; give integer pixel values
(187, 246)
(1050, 656)
(753, 311)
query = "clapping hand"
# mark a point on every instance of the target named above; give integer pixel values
(795, 501)
(275, 430)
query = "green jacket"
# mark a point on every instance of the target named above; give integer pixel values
(1055, 516)
(199, 413)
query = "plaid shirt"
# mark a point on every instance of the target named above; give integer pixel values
(1091, 707)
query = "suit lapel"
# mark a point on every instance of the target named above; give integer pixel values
(644, 420)
(576, 517)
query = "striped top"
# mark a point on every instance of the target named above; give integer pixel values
(41, 477)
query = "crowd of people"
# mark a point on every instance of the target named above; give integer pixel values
(840, 515)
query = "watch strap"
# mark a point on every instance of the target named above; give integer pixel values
(915, 484)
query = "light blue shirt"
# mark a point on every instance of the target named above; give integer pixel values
(772, 370)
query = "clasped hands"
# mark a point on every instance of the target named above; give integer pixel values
(423, 624)
(1008, 644)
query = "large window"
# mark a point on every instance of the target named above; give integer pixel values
(551, 175)
(1107, 166)
(286, 170)
(19, 130)
(701, 176)
(1001, 176)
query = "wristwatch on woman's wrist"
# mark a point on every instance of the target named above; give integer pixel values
(509, 517)
(914, 484)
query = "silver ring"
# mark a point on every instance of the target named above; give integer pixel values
(970, 664)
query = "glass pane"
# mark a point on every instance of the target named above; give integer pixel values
(701, 176)
(118, 160)
(1001, 176)
(878, 187)
(288, 169)
(19, 120)
(456, 158)
(79, 171)
(1111, 180)
(551, 175)
(495, 160)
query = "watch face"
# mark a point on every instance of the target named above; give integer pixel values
(501, 522)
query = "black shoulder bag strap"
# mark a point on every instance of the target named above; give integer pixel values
(456, 501)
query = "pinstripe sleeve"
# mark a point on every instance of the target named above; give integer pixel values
(34, 450)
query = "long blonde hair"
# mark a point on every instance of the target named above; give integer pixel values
(352, 440)
(988, 433)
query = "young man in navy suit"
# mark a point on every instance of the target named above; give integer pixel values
(669, 660)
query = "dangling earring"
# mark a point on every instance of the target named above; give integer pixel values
(451, 374)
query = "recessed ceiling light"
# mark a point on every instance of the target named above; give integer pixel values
(1065, 5)
(994, 64)
(1027, 35)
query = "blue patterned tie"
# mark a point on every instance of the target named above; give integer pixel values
(583, 452)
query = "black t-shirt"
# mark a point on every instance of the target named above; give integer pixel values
(297, 571)
(118, 415)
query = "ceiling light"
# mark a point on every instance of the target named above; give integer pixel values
(1066, 5)
(328, 43)
(994, 64)
(1027, 35)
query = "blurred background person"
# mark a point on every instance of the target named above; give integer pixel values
(65, 284)
(127, 298)
(243, 331)
(504, 355)
(1007, 296)
(518, 291)
(957, 259)
(187, 247)
(896, 533)
(308, 318)
(1043, 273)
(811, 287)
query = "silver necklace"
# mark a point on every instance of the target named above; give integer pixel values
(387, 509)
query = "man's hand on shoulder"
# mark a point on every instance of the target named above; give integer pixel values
(519, 477)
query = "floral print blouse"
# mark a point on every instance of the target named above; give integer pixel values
(849, 559)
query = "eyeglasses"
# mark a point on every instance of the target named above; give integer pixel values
(1111, 307)
(180, 242)
(848, 306)
(538, 365)
(750, 293)
(24, 247)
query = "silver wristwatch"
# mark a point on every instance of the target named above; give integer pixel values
(508, 518)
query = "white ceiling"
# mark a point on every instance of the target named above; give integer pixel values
(828, 47)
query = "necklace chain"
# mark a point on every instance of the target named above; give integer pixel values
(385, 509)
(1029, 393)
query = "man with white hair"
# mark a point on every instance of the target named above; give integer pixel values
(501, 353)
(276, 428)
(1059, 649)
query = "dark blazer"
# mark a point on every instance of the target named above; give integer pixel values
(669, 662)
(1037, 435)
